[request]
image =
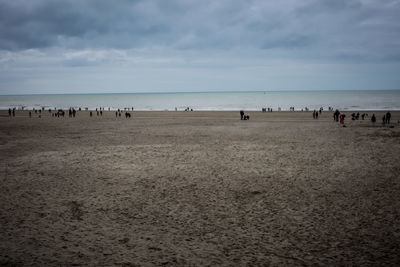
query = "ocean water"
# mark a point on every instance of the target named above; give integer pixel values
(343, 100)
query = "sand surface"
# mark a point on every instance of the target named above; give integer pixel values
(198, 188)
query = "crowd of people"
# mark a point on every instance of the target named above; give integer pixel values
(337, 115)
(72, 112)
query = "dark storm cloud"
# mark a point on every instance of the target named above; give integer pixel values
(357, 28)
(39, 24)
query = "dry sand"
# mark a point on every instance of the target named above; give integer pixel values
(198, 188)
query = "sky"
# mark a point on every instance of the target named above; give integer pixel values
(102, 46)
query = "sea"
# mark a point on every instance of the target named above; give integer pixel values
(216, 101)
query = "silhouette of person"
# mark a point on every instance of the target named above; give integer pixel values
(336, 115)
(388, 115)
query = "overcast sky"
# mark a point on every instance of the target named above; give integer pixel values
(51, 46)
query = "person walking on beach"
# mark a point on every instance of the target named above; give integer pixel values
(9, 112)
(313, 114)
(373, 119)
(316, 115)
(241, 114)
(388, 115)
(13, 112)
(336, 115)
(383, 120)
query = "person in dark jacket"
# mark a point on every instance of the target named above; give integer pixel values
(388, 115)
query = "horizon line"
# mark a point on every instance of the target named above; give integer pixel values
(194, 92)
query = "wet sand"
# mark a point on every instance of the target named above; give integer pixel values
(198, 188)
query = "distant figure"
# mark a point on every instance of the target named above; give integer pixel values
(91, 114)
(101, 112)
(9, 112)
(127, 115)
(30, 114)
(73, 112)
(363, 116)
(116, 114)
(316, 115)
(336, 115)
(246, 117)
(388, 116)
(373, 119)
(341, 117)
(383, 119)
(13, 112)
(241, 114)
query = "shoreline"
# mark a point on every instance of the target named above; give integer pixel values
(199, 110)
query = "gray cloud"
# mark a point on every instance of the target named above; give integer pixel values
(127, 24)
(45, 39)
(327, 25)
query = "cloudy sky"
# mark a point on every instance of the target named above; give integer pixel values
(67, 46)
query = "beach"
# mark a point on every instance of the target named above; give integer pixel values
(199, 188)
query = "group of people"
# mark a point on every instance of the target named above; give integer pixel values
(338, 117)
(386, 118)
(315, 113)
(72, 112)
(244, 116)
(266, 109)
(11, 112)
